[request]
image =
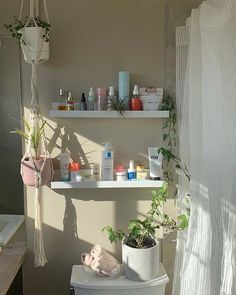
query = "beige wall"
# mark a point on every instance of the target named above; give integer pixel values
(11, 200)
(91, 41)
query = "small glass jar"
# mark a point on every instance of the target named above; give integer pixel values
(141, 172)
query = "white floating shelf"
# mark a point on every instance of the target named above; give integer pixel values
(107, 114)
(107, 184)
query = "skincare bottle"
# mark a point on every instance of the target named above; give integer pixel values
(91, 100)
(101, 98)
(69, 102)
(124, 87)
(107, 163)
(131, 175)
(155, 163)
(64, 166)
(83, 104)
(61, 101)
(111, 97)
(136, 103)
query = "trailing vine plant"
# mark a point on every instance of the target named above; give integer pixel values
(170, 158)
(169, 137)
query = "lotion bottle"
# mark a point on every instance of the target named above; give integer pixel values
(107, 163)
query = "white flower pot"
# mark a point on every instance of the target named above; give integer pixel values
(31, 44)
(140, 264)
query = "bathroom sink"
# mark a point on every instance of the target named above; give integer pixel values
(9, 224)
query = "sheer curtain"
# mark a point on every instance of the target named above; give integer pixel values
(206, 107)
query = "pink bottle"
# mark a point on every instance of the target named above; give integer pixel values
(101, 98)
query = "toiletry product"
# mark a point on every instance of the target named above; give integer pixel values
(62, 100)
(155, 163)
(69, 102)
(83, 104)
(74, 172)
(91, 100)
(136, 103)
(120, 173)
(141, 172)
(64, 166)
(95, 172)
(107, 162)
(151, 98)
(111, 97)
(124, 87)
(131, 173)
(101, 98)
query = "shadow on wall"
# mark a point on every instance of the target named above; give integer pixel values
(59, 266)
(68, 139)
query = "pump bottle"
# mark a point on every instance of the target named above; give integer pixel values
(107, 163)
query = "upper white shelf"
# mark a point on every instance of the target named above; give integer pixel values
(107, 114)
(107, 184)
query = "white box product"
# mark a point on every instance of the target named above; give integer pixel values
(151, 98)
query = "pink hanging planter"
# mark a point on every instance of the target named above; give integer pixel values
(28, 171)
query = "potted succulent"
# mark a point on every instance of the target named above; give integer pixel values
(38, 163)
(30, 32)
(140, 247)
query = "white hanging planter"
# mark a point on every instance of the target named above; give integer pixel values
(33, 44)
(140, 264)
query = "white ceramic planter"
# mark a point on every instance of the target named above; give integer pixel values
(140, 264)
(30, 47)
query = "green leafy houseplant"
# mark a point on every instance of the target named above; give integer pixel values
(118, 105)
(141, 233)
(37, 164)
(140, 247)
(34, 134)
(15, 27)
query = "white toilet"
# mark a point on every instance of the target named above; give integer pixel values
(85, 283)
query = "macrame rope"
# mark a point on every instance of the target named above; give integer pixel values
(35, 120)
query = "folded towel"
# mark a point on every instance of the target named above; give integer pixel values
(101, 262)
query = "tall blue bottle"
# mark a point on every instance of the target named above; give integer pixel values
(124, 87)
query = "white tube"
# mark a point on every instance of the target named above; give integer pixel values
(155, 163)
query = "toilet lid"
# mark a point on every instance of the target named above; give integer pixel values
(82, 279)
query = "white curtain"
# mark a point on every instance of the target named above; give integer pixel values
(206, 110)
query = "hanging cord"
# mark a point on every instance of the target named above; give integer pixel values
(21, 9)
(34, 121)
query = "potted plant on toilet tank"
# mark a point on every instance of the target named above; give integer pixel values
(140, 247)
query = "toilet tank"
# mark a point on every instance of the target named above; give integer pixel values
(85, 283)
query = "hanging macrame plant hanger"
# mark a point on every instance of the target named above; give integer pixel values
(33, 55)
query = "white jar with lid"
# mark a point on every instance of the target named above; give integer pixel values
(120, 173)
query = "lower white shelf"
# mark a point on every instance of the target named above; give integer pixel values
(107, 184)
